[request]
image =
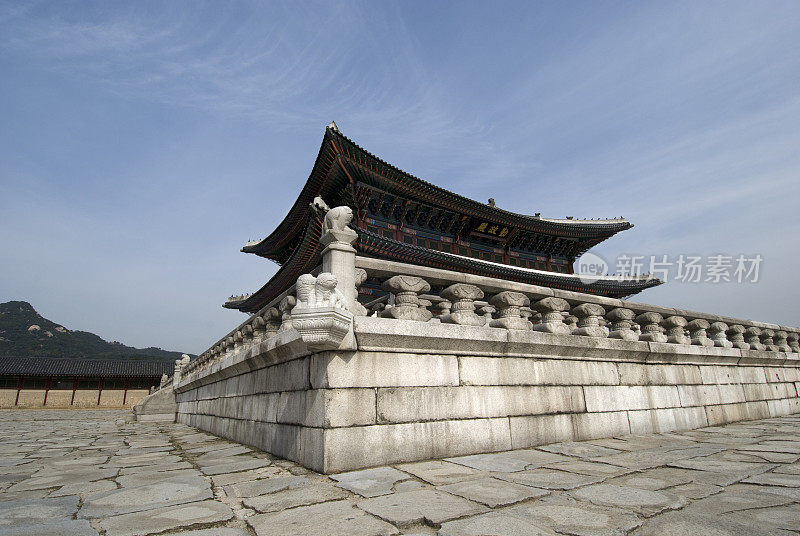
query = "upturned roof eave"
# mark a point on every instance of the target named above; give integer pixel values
(308, 255)
(284, 234)
(304, 258)
(293, 223)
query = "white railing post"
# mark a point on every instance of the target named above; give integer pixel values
(339, 255)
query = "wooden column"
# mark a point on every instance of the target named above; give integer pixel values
(47, 389)
(125, 394)
(19, 388)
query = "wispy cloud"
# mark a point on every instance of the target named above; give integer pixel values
(285, 62)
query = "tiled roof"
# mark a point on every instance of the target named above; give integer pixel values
(375, 245)
(340, 152)
(609, 286)
(76, 367)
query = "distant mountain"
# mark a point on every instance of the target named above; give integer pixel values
(25, 333)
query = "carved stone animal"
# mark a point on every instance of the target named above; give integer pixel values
(327, 293)
(319, 291)
(319, 205)
(306, 294)
(337, 219)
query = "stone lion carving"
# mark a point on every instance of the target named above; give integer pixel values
(337, 219)
(321, 316)
(327, 293)
(319, 291)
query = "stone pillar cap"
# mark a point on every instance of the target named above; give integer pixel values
(675, 321)
(551, 303)
(406, 283)
(509, 298)
(462, 291)
(649, 317)
(621, 313)
(588, 309)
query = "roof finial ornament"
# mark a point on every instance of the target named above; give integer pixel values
(491, 202)
(332, 126)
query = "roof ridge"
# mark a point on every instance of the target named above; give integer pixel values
(336, 132)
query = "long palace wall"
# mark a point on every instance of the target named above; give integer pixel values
(455, 364)
(67, 398)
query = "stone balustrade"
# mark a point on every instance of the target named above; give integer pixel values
(433, 295)
(476, 301)
(565, 312)
(259, 327)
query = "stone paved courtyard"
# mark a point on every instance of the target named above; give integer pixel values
(76, 473)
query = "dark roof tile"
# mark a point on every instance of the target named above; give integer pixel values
(75, 367)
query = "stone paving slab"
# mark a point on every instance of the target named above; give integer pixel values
(218, 531)
(264, 486)
(215, 456)
(641, 501)
(79, 527)
(54, 480)
(155, 468)
(777, 518)
(337, 517)
(775, 479)
(83, 489)
(588, 468)
(97, 473)
(683, 524)
(790, 469)
(232, 466)
(494, 523)
(438, 472)
(371, 482)
(550, 479)
(508, 462)
(290, 498)
(420, 506)
(146, 497)
(135, 480)
(580, 450)
(566, 515)
(162, 519)
(32, 511)
(493, 492)
(226, 479)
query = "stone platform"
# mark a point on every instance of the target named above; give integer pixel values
(410, 391)
(452, 364)
(90, 473)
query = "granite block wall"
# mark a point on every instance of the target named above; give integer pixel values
(400, 396)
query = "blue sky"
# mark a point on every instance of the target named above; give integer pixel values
(143, 143)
